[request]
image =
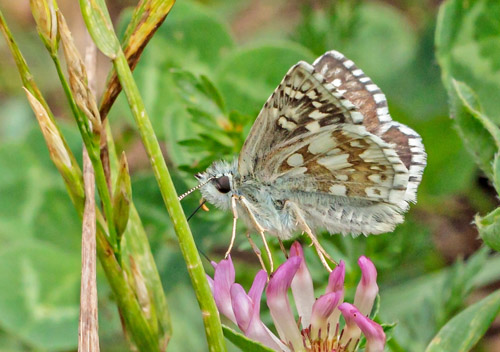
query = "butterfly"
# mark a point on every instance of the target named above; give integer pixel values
(323, 153)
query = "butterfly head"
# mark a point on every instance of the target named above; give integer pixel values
(218, 183)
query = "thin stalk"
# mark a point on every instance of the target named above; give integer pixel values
(138, 327)
(195, 268)
(131, 312)
(100, 177)
(64, 82)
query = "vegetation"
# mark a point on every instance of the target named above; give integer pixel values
(205, 71)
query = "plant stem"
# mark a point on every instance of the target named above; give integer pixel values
(94, 155)
(196, 271)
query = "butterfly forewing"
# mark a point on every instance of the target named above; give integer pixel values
(301, 104)
(310, 137)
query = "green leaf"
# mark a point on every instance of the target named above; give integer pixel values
(489, 228)
(496, 172)
(212, 92)
(481, 136)
(464, 330)
(122, 197)
(468, 48)
(244, 343)
(98, 22)
(39, 296)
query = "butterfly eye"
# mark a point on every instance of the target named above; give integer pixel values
(222, 184)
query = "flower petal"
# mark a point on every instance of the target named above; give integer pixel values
(242, 306)
(321, 311)
(302, 287)
(223, 279)
(336, 278)
(279, 306)
(259, 332)
(367, 289)
(351, 333)
(336, 284)
(247, 313)
(375, 336)
(257, 288)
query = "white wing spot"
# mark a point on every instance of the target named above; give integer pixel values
(287, 125)
(312, 94)
(372, 87)
(306, 86)
(356, 116)
(335, 162)
(348, 63)
(342, 177)
(383, 111)
(379, 98)
(322, 144)
(375, 178)
(384, 118)
(318, 76)
(298, 95)
(347, 104)
(295, 160)
(313, 126)
(337, 82)
(317, 104)
(356, 144)
(357, 72)
(338, 190)
(325, 69)
(372, 154)
(316, 114)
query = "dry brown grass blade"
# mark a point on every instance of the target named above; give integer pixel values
(147, 17)
(88, 329)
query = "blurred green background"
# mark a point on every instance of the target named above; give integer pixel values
(204, 77)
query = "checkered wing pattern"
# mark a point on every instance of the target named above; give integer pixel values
(369, 100)
(326, 130)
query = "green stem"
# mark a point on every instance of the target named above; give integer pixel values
(195, 268)
(131, 311)
(138, 327)
(94, 155)
(64, 82)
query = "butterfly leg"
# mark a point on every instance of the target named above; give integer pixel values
(282, 247)
(256, 251)
(235, 219)
(322, 254)
(259, 228)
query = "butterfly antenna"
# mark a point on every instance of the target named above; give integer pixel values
(196, 210)
(182, 196)
(205, 256)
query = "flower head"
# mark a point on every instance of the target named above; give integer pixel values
(317, 328)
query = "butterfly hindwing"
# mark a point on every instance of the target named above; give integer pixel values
(343, 160)
(369, 100)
